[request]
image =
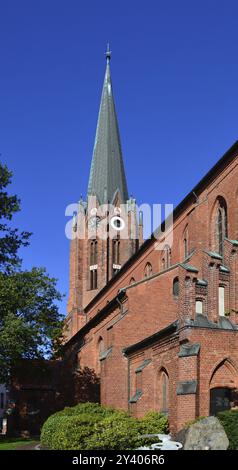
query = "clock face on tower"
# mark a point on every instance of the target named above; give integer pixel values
(117, 223)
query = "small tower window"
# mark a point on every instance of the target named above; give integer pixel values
(93, 279)
(93, 252)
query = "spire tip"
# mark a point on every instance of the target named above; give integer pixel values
(108, 53)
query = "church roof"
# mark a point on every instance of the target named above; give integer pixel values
(107, 174)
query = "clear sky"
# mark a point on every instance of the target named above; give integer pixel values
(175, 78)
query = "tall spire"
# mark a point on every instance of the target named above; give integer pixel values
(107, 174)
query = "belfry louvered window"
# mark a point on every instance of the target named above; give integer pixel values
(93, 279)
(116, 256)
(93, 255)
(116, 251)
(93, 252)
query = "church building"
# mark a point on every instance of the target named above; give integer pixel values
(157, 329)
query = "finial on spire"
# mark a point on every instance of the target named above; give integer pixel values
(108, 53)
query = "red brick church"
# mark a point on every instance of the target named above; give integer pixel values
(157, 329)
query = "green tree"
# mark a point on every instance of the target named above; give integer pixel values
(30, 322)
(10, 238)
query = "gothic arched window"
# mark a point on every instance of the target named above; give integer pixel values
(221, 228)
(176, 287)
(132, 280)
(164, 391)
(185, 243)
(100, 350)
(166, 257)
(100, 346)
(148, 270)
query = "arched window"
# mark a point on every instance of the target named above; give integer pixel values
(199, 306)
(132, 280)
(185, 243)
(100, 346)
(100, 350)
(166, 257)
(176, 287)
(164, 391)
(221, 224)
(148, 270)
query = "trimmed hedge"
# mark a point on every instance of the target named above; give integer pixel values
(229, 420)
(115, 433)
(91, 426)
(49, 428)
(73, 430)
(154, 423)
(55, 421)
(88, 407)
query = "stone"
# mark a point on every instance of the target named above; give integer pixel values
(205, 434)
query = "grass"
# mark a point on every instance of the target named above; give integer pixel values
(13, 443)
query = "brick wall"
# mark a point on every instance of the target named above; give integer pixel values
(150, 305)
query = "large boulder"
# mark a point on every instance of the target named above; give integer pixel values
(205, 434)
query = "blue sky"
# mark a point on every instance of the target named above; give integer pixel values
(175, 74)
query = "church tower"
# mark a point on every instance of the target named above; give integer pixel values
(105, 232)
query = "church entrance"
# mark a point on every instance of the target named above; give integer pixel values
(220, 399)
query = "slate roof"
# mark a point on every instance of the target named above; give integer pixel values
(107, 174)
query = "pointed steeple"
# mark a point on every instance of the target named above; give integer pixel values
(107, 174)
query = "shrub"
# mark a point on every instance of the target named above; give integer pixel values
(72, 432)
(91, 426)
(229, 420)
(154, 423)
(122, 432)
(116, 432)
(88, 408)
(56, 422)
(49, 428)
